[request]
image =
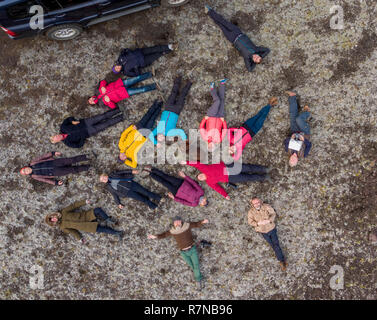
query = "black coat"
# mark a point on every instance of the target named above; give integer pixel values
(77, 134)
(131, 61)
(247, 49)
(123, 187)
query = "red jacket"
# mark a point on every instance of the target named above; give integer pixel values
(238, 137)
(213, 129)
(116, 91)
(215, 173)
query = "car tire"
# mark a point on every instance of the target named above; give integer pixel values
(64, 32)
(173, 3)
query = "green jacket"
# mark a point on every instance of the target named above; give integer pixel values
(73, 222)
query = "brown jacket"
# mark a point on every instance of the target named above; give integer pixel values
(73, 222)
(266, 212)
(183, 235)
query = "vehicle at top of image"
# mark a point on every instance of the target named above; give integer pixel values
(66, 19)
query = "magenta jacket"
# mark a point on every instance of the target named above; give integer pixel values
(189, 193)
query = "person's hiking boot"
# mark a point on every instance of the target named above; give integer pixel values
(110, 222)
(120, 235)
(268, 178)
(283, 265)
(205, 243)
(269, 169)
(233, 185)
(207, 8)
(173, 46)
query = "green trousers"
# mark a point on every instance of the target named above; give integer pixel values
(192, 259)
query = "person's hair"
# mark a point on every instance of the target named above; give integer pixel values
(48, 218)
(255, 198)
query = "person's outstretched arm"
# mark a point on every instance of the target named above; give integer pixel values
(43, 157)
(73, 232)
(48, 180)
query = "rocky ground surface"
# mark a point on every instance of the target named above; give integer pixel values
(326, 206)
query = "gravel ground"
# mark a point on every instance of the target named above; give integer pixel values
(326, 206)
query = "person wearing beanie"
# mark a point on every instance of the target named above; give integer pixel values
(111, 93)
(130, 62)
(74, 132)
(251, 53)
(262, 216)
(183, 190)
(134, 137)
(166, 127)
(46, 168)
(213, 126)
(181, 231)
(298, 144)
(72, 222)
(240, 137)
(121, 185)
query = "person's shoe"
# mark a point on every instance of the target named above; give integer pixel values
(233, 185)
(173, 46)
(110, 222)
(120, 235)
(268, 170)
(212, 85)
(268, 178)
(205, 243)
(223, 81)
(207, 8)
(283, 265)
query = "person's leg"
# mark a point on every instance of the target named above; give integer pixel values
(221, 112)
(149, 87)
(275, 245)
(293, 113)
(302, 122)
(170, 182)
(187, 259)
(253, 168)
(132, 81)
(193, 252)
(229, 29)
(62, 162)
(100, 117)
(214, 109)
(100, 214)
(101, 229)
(151, 122)
(246, 177)
(181, 99)
(144, 191)
(142, 198)
(151, 113)
(106, 124)
(256, 123)
(162, 49)
(174, 92)
(63, 171)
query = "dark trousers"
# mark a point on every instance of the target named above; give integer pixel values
(138, 192)
(218, 107)
(151, 54)
(129, 82)
(101, 215)
(231, 32)
(249, 172)
(254, 124)
(170, 182)
(63, 166)
(103, 121)
(148, 120)
(272, 238)
(175, 103)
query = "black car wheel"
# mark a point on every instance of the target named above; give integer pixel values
(173, 3)
(64, 32)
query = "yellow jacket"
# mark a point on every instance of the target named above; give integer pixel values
(130, 143)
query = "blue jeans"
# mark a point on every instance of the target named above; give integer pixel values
(298, 121)
(272, 238)
(129, 82)
(255, 123)
(107, 230)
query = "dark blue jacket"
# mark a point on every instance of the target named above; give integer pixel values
(131, 61)
(77, 134)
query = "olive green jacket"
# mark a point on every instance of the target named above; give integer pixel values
(73, 222)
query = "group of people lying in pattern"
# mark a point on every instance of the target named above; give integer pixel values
(49, 168)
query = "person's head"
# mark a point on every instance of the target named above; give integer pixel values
(52, 219)
(104, 178)
(293, 160)
(56, 138)
(177, 222)
(122, 156)
(232, 150)
(25, 171)
(203, 202)
(93, 100)
(257, 58)
(117, 68)
(256, 203)
(160, 137)
(202, 177)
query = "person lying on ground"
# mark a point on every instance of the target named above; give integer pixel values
(73, 222)
(132, 139)
(46, 168)
(74, 132)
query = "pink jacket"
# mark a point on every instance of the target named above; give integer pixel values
(116, 91)
(189, 193)
(238, 137)
(213, 129)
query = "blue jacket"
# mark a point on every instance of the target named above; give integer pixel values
(167, 127)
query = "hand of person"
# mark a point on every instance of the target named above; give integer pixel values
(302, 137)
(134, 127)
(103, 90)
(206, 117)
(205, 221)
(135, 171)
(273, 101)
(58, 154)
(82, 240)
(60, 183)
(158, 145)
(181, 174)
(170, 195)
(293, 136)
(151, 236)
(88, 201)
(182, 162)
(227, 198)
(75, 122)
(107, 99)
(222, 119)
(121, 206)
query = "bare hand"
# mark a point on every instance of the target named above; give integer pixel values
(88, 201)
(183, 162)
(58, 154)
(302, 137)
(170, 195)
(60, 183)
(135, 171)
(181, 174)
(121, 206)
(205, 221)
(151, 236)
(82, 240)
(75, 122)
(107, 99)
(273, 101)
(134, 127)
(103, 90)
(293, 136)
(227, 198)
